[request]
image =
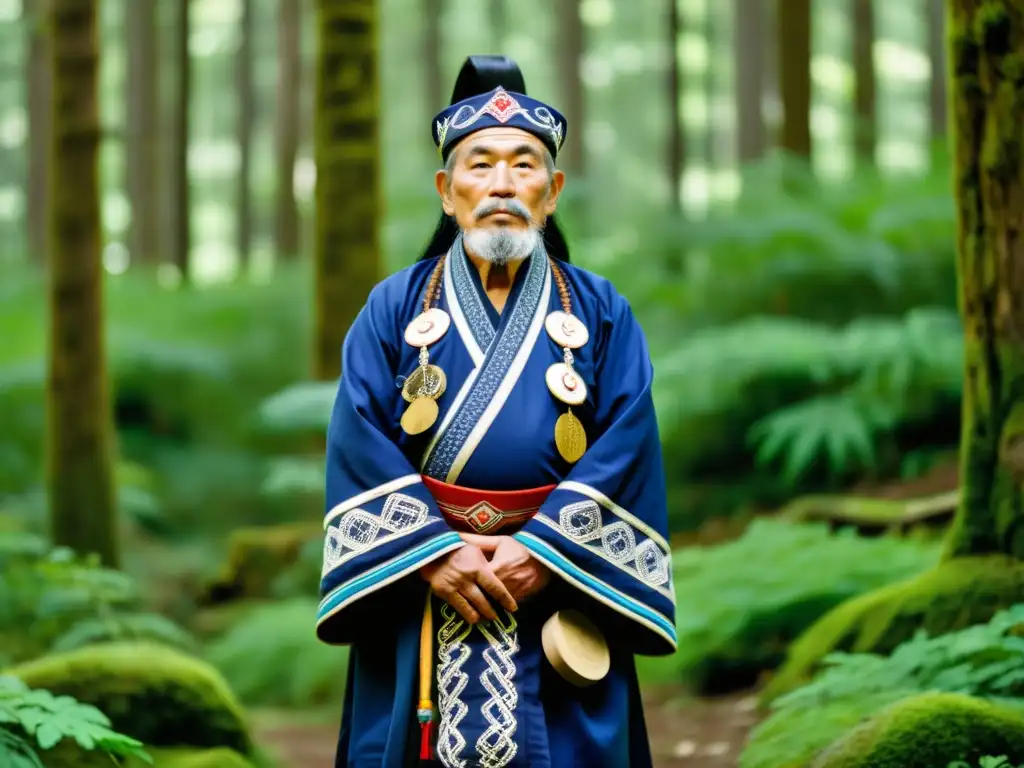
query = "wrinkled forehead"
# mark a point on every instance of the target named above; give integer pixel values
(500, 142)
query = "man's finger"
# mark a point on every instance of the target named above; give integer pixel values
(486, 579)
(458, 602)
(486, 543)
(479, 600)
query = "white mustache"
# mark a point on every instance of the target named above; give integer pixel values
(512, 207)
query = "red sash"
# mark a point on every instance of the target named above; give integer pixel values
(488, 512)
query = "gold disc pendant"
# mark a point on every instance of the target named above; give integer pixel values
(419, 416)
(426, 381)
(570, 437)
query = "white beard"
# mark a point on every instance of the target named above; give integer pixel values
(500, 245)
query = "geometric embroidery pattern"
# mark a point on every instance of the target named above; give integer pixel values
(583, 522)
(358, 529)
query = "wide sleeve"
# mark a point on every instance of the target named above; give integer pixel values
(604, 529)
(381, 523)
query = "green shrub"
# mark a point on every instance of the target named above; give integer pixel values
(740, 604)
(271, 657)
(985, 660)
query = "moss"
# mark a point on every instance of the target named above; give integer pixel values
(874, 515)
(153, 693)
(956, 594)
(929, 730)
(256, 558)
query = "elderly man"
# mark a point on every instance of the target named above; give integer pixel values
(493, 464)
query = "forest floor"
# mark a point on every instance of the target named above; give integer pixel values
(684, 732)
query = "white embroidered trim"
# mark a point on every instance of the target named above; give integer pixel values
(594, 494)
(495, 747)
(620, 603)
(374, 493)
(582, 522)
(359, 531)
(452, 653)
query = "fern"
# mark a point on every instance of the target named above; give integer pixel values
(47, 720)
(131, 626)
(983, 660)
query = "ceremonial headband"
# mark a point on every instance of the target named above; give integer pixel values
(495, 109)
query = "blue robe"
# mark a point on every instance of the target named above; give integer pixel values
(602, 531)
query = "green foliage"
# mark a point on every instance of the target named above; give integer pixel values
(986, 762)
(271, 657)
(52, 600)
(984, 660)
(31, 719)
(740, 604)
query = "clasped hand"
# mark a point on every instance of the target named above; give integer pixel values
(498, 566)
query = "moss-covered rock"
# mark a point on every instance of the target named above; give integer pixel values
(956, 594)
(257, 557)
(929, 731)
(151, 692)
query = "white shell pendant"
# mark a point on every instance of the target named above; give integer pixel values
(566, 384)
(566, 330)
(427, 327)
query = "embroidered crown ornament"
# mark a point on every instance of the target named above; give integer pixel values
(497, 108)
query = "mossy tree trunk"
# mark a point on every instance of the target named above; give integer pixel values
(986, 41)
(80, 484)
(287, 221)
(864, 81)
(348, 185)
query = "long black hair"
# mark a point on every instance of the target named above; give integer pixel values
(480, 74)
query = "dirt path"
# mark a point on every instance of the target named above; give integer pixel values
(685, 733)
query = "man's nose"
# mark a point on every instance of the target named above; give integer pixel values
(502, 185)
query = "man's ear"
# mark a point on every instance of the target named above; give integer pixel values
(444, 192)
(557, 183)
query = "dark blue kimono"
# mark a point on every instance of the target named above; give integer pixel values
(602, 531)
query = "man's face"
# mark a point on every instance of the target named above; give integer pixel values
(499, 181)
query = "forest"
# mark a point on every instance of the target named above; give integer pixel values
(812, 207)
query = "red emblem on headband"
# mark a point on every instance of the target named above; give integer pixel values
(502, 107)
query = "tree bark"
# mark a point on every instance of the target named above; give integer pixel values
(938, 113)
(80, 483)
(142, 150)
(35, 15)
(570, 49)
(676, 144)
(864, 81)
(987, 109)
(289, 87)
(347, 149)
(749, 65)
(245, 117)
(793, 29)
(180, 219)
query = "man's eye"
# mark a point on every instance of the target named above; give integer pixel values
(480, 165)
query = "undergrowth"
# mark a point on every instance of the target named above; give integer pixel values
(740, 604)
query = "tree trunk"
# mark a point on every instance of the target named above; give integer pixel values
(748, 72)
(570, 49)
(793, 29)
(676, 145)
(433, 81)
(243, 130)
(142, 150)
(180, 220)
(347, 149)
(709, 81)
(988, 109)
(80, 483)
(289, 88)
(864, 81)
(35, 14)
(936, 13)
